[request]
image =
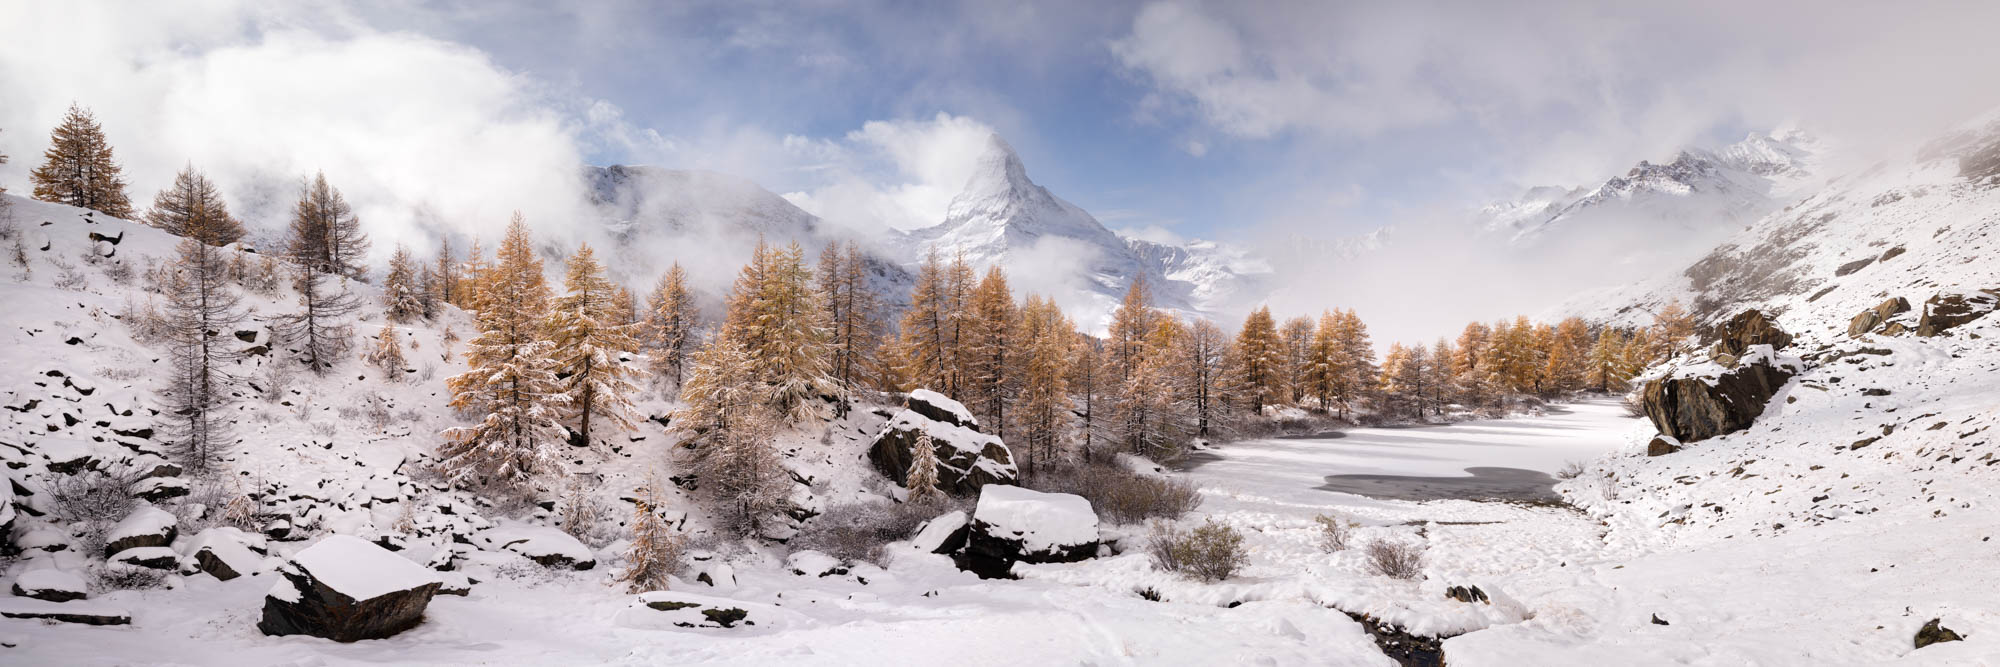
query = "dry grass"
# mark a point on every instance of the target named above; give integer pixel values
(1123, 496)
(1333, 533)
(1397, 559)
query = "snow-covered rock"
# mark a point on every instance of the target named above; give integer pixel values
(676, 610)
(6, 515)
(1012, 524)
(51, 584)
(347, 589)
(967, 459)
(154, 558)
(548, 546)
(715, 573)
(813, 564)
(85, 613)
(222, 552)
(944, 534)
(147, 526)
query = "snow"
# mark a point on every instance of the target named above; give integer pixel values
(535, 541)
(359, 569)
(1042, 521)
(811, 563)
(945, 403)
(51, 579)
(229, 545)
(147, 520)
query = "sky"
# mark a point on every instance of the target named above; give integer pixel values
(1168, 120)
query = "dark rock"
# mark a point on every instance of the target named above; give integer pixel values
(967, 459)
(1933, 633)
(318, 609)
(1400, 645)
(1659, 621)
(1877, 391)
(1692, 409)
(1747, 328)
(247, 336)
(937, 408)
(1662, 446)
(152, 558)
(1853, 266)
(727, 618)
(1466, 594)
(68, 613)
(992, 547)
(1867, 321)
(1891, 253)
(1946, 311)
(146, 527)
(1864, 442)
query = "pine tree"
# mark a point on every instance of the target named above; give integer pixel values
(1298, 337)
(990, 381)
(200, 308)
(388, 354)
(775, 314)
(325, 235)
(79, 169)
(655, 553)
(1046, 337)
(511, 382)
(922, 478)
(192, 207)
(402, 295)
(1259, 356)
(592, 338)
(671, 322)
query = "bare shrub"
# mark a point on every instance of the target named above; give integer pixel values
(92, 501)
(1333, 533)
(1121, 495)
(144, 319)
(1571, 470)
(1211, 552)
(276, 380)
(428, 372)
(857, 532)
(67, 275)
(323, 429)
(119, 271)
(1634, 406)
(128, 578)
(1395, 558)
(583, 515)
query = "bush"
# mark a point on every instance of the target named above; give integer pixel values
(1121, 495)
(92, 500)
(857, 532)
(1571, 470)
(1333, 533)
(1212, 552)
(1397, 559)
(117, 577)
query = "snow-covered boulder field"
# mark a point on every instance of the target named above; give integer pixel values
(1016, 525)
(347, 589)
(967, 458)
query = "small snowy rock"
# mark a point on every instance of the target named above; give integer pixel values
(716, 574)
(813, 564)
(548, 546)
(944, 534)
(147, 526)
(223, 552)
(52, 585)
(156, 558)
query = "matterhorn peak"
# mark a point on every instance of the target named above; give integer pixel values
(997, 172)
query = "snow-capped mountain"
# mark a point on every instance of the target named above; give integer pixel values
(1002, 217)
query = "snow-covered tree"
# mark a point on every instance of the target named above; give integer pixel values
(325, 235)
(445, 274)
(388, 354)
(1043, 414)
(925, 345)
(1297, 336)
(922, 478)
(1200, 358)
(671, 322)
(775, 314)
(727, 423)
(655, 552)
(1131, 323)
(1094, 382)
(79, 169)
(989, 345)
(192, 207)
(511, 383)
(402, 294)
(200, 308)
(1469, 366)
(592, 338)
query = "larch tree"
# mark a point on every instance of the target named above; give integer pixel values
(655, 553)
(445, 274)
(1439, 375)
(388, 354)
(1043, 414)
(1328, 363)
(317, 328)
(1672, 327)
(989, 380)
(591, 340)
(1093, 380)
(671, 322)
(625, 305)
(726, 422)
(1151, 420)
(200, 307)
(192, 207)
(470, 296)
(1298, 337)
(1399, 375)
(775, 314)
(853, 314)
(1201, 356)
(79, 169)
(922, 478)
(924, 344)
(1606, 356)
(325, 234)
(959, 284)
(511, 381)
(1468, 365)
(1567, 363)
(1260, 357)
(402, 294)
(1131, 323)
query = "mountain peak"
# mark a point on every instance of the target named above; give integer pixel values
(997, 172)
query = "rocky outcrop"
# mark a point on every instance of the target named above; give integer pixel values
(347, 589)
(1015, 525)
(1946, 311)
(51, 585)
(1708, 400)
(147, 526)
(1935, 633)
(1748, 328)
(1868, 321)
(967, 458)
(1662, 446)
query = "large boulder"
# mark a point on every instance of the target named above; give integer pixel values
(1945, 311)
(1748, 328)
(223, 552)
(347, 589)
(51, 584)
(1708, 400)
(147, 526)
(967, 459)
(545, 545)
(1016, 525)
(1867, 321)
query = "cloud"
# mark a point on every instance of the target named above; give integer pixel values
(901, 174)
(416, 132)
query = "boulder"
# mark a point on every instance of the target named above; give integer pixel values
(147, 526)
(1011, 525)
(716, 574)
(455, 583)
(160, 489)
(346, 589)
(967, 459)
(943, 535)
(1946, 311)
(7, 546)
(1868, 321)
(86, 613)
(1748, 328)
(1700, 403)
(545, 545)
(223, 552)
(1662, 445)
(52, 585)
(936, 407)
(152, 558)
(1934, 633)
(814, 564)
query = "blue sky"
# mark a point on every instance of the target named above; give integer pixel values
(1206, 119)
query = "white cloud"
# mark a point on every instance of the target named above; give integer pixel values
(901, 174)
